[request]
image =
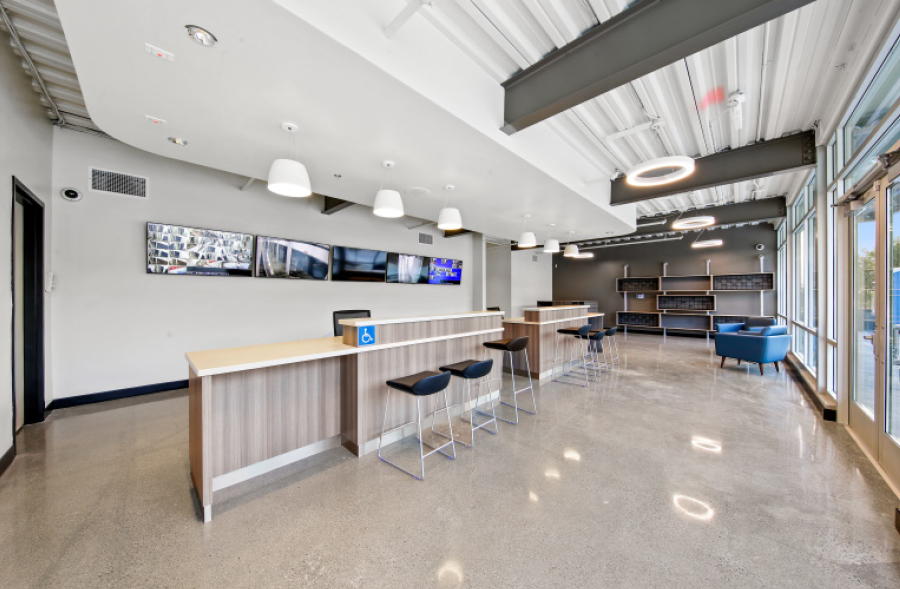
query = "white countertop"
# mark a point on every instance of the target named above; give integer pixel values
(523, 322)
(542, 309)
(379, 321)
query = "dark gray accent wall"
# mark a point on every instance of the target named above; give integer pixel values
(595, 279)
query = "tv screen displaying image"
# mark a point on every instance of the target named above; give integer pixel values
(359, 265)
(285, 258)
(173, 249)
(445, 271)
(407, 269)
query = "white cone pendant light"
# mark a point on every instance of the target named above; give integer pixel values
(289, 178)
(388, 203)
(526, 239)
(449, 219)
(571, 251)
(551, 246)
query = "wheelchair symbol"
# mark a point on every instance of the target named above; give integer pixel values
(366, 336)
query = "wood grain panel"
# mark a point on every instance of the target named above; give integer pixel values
(391, 333)
(551, 314)
(259, 414)
(198, 436)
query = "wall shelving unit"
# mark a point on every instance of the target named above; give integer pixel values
(688, 303)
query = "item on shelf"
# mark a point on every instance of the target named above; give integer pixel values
(753, 281)
(686, 303)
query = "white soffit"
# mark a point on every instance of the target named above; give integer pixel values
(269, 66)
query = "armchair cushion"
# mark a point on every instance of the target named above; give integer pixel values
(729, 327)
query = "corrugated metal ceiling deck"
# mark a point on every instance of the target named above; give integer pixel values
(36, 25)
(787, 70)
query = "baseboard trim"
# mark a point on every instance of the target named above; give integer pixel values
(7, 459)
(828, 413)
(117, 394)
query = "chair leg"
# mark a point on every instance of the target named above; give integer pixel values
(739, 361)
(722, 365)
(776, 367)
(760, 368)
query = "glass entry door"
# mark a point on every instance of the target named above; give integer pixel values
(875, 325)
(863, 332)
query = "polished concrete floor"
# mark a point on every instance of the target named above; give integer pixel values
(604, 488)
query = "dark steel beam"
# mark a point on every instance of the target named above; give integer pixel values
(642, 39)
(752, 162)
(456, 232)
(753, 211)
(333, 205)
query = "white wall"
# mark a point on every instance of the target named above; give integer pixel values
(498, 277)
(25, 148)
(115, 326)
(531, 278)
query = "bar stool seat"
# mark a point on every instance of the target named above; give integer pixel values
(419, 385)
(416, 384)
(509, 346)
(568, 330)
(477, 370)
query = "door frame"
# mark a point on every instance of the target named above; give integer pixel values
(865, 427)
(33, 302)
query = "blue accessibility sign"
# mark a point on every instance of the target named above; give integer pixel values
(366, 335)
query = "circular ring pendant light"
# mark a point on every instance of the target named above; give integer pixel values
(693, 223)
(706, 243)
(682, 164)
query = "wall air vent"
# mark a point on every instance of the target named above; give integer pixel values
(426, 238)
(117, 183)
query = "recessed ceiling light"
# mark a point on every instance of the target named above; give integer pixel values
(178, 141)
(201, 35)
(337, 175)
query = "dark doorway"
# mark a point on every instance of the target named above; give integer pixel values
(28, 306)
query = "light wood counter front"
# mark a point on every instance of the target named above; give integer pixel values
(257, 408)
(540, 326)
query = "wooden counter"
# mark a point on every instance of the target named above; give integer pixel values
(257, 408)
(540, 325)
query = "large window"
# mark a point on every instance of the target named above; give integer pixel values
(804, 278)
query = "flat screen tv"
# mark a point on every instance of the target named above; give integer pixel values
(173, 249)
(286, 258)
(407, 269)
(445, 271)
(348, 263)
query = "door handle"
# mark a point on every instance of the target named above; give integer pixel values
(869, 337)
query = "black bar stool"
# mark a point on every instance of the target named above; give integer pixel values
(509, 346)
(478, 371)
(595, 347)
(575, 336)
(614, 344)
(420, 385)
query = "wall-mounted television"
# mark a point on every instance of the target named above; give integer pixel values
(349, 263)
(445, 271)
(173, 249)
(407, 269)
(286, 258)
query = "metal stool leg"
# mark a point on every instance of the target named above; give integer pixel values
(422, 454)
(530, 387)
(493, 414)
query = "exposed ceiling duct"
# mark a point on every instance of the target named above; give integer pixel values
(37, 37)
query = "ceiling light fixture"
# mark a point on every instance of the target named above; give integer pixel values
(449, 218)
(388, 203)
(289, 177)
(673, 168)
(551, 246)
(527, 239)
(584, 255)
(635, 242)
(706, 243)
(178, 141)
(571, 250)
(693, 223)
(201, 35)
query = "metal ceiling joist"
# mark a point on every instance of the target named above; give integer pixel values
(642, 39)
(752, 162)
(744, 212)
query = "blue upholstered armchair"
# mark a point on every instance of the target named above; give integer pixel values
(753, 343)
